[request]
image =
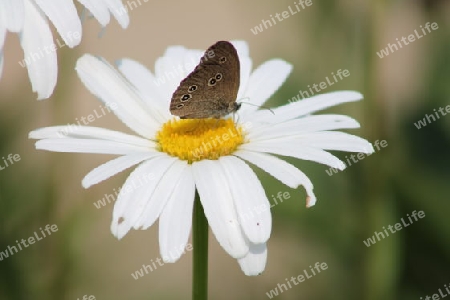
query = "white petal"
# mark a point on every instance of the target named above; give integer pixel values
(278, 168)
(254, 262)
(191, 59)
(171, 61)
(264, 82)
(175, 221)
(173, 67)
(292, 149)
(12, 15)
(249, 198)
(39, 51)
(64, 16)
(141, 77)
(114, 167)
(74, 131)
(245, 66)
(115, 91)
(119, 11)
(305, 107)
(241, 48)
(128, 207)
(303, 125)
(246, 69)
(158, 196)
(98, 9)
(331, 140)
(88, 146)
(217, 203)
(326, 140)
(281, 170)
(146, 84)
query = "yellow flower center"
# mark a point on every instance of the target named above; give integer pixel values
(197, 139)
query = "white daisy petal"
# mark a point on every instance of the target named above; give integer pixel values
(119, 12)
(170, 62)
(128, 207)
(158, 197)
(331, 140)
(12, 14)
(305, 107)
(241, 48)
(114, 167)
(28, 18)
(278, 168)
(254, 262)
(249, 198)
(326, 140)
(191, 58)
(281, 170)
(142, 78)
(246, 69)
(98, 9)
(263, 82)
(87, 132)
(38, 47)
(169, 70)
(292, 149)
(64, 16)
(88, 146)
(245, 66)
(107, 84)
(147, 86)
(299, 126)
(172, 68)
(176, 218)
(217, 203)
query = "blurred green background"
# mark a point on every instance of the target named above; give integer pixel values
(411, 173)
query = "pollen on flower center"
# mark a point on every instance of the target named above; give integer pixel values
(197, 139)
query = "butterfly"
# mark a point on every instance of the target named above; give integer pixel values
(210, 91)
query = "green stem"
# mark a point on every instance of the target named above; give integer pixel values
(200, 256)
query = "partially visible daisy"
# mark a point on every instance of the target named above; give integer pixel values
(207, 155)
(28, 18)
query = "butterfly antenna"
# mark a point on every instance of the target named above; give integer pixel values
(260, 106)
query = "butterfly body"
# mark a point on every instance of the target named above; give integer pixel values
(210, 91)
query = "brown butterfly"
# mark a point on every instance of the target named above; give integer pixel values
(210, 90)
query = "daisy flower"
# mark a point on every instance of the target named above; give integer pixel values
(29, 18)
(208, 155)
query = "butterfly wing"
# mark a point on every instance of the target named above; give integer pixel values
(210, 90)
